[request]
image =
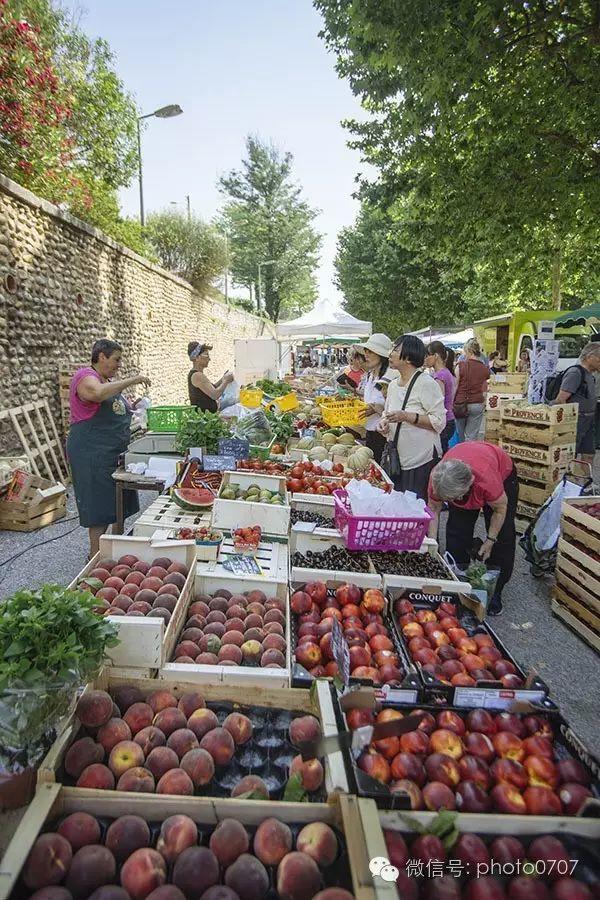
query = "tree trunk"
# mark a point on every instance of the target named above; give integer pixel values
(556, 277)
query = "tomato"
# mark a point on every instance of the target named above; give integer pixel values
(337, 467)
(317, 470)
(295, 485)
(322, 489)
(308, 490)
(297, 472)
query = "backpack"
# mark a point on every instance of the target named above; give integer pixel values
(553, 384)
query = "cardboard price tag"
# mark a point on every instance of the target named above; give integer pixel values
(242, 565)
(341, 653)
(236, 447)
(218, 463)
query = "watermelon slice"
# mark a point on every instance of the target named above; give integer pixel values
(193, 498)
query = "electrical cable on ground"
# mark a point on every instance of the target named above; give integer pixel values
(56, 537)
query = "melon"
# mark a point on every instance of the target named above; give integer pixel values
(193, 498)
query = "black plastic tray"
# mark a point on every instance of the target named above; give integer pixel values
(566, 742)
(438, 692)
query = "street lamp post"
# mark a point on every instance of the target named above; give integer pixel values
(165, 112)
(267, 262)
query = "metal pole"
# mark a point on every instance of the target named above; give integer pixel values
(140, 177)
(226, 268)
(259, 291)
(189, 208)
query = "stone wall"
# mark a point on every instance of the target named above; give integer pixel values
(64, 284)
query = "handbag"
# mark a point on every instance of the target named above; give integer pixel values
(390, 458)
(461, 409)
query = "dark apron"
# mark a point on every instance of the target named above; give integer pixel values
(93, 448)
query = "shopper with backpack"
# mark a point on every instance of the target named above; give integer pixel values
(578, 385)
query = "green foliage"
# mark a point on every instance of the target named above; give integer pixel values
(381, 279)
(266, 219)
(191, 248)
(51, 642)
(201, 429)
(282, 426)
(484, 121)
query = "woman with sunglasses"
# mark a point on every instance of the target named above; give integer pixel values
(472, 477)
(202, 392)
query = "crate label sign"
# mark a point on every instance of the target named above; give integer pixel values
(386, 694)
(242, 565)
(218, 463)
(236, 447)
(421, 596)
(308, 527)
(340, 651)
(494, 699)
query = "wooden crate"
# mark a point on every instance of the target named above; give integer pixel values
(39, 502)
(317, 702)
(579, 556)
(164, 515)
(495, 399)
(574, 510)
(534, 493)
(146, 643)
(540, 414)
(543, 435)
(576, 533)
(559, 454)
(242, 676)
(570, 577)
(509, 382)
(273, 519)
(526, 510)
(548, 475)
(451, 584)
(319, 544)
(54, 802)
(569, 610)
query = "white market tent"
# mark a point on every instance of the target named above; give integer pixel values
(455, 339)
(323, 320)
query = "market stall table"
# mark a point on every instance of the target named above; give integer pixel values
(127, 481)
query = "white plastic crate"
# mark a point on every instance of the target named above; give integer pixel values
(163, 513)
(318, 544)
(272, 518)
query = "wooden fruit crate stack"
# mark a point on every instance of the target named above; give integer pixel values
(506, 387)
(576, 595)
(541, 441)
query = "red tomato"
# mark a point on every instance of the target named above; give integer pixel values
(337, 467)
(294, 485)
(297, 472)
(322, 489)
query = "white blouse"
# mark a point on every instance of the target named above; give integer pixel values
(416, 445)
(372, 394)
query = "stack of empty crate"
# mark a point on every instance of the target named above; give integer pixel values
(503, 388)
(541, 441)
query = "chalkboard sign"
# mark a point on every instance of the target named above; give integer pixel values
(237, 447)
(339, 649)
(218, 463)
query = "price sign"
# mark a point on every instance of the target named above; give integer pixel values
(340, 651)
(242, 565)
(218, 463)
(237, 447)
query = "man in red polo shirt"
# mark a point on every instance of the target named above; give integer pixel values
(477, 476)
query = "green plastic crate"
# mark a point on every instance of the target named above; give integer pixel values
(259, 452)
(167, 418)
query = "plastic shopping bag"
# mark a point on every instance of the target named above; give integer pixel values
(230, 396)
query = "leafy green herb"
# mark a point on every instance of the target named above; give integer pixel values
(294, 792)
(201, 429)
(273, 388)
(282, 426)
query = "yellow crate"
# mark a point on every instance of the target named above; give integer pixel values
(343, 412)
(251, 397)
(287, 402)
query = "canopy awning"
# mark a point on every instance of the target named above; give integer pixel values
(587, 315)
(323, 320)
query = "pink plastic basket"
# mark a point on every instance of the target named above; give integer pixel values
(372, 533)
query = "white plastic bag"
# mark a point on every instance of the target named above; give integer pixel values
(230, 396)
(546, 530)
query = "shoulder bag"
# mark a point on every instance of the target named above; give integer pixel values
(461, 409)
(390, 458)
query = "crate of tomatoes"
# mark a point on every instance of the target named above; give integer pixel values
(311, 478)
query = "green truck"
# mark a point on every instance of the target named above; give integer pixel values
(514, 332)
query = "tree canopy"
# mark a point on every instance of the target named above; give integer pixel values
(189, 247)
(268, 222)
(484, 126)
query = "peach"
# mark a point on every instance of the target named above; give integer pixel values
(204, 659)
(411, 790)
(178, 567)
(508, 745)
(440, 767)
(169, 892)
(310, 772)
(251, 784)
(126, 835)
(94, 708)
(137, 779)
(542, 801)
(248, 878)
(252, 651)
(479, 745)
(161, 760)
(96, 776)
(123, 602)
(251, 635)
(107, 593)
(230, 653)
(182, 740)
(272, 841)
(473, 768)
(535, 745)
(125, 755)
(303, 729)
(239, 727)
(160, 700)
(177, 833)
(541, 771)
(169, 720)
(143, 872)
(318, 840)
(149, 738)
(573, 796)
(451, 721)
(199, 765)
(190, 702)
(537, 725)
(444, 741)
(48, 861)
(438, 796)
(388, 747)
(506, 798)
(195, 870)
(100, 573)
(272, 658)
(462, 680)
(91, 867)
(201, 721)
(274, 642)
(414, 742)
(83, 753)
(175, 578)
(220, 745)
(572, 770)
(472, 798)
(175, 781)
(138, 716)
(188, 648)
(412, 630)
(112, 733)
(113, 582)
(199, 608)
(427, 848)
(408, 766)
(139, 566)
(228, 841)
(80, 829)
(164, 600)
(110, 892)
(375, 765)
(511, 771)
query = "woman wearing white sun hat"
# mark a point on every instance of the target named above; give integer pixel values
(376, 352)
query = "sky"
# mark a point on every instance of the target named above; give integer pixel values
(235, 67)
